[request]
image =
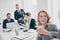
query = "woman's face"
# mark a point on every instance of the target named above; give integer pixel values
(43, 18)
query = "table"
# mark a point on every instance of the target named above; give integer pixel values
(30, 35)
(7, 35)
(55, 39)
(12, 35)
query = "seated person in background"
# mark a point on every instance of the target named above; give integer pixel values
(30, 22)
(7, 20)
(46, 30)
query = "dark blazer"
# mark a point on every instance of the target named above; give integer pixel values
(32, 24)
(19, 15)
(6, 21)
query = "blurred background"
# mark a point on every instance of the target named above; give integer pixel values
(32, 6)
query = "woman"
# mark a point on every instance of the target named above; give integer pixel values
(45, 29)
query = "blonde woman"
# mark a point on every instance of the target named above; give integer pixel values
(45, 29)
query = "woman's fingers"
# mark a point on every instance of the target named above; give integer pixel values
(43, 31)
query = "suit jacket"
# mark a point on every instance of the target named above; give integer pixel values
(6, 21)
(18, 15)
(32, 24)
(55, 33)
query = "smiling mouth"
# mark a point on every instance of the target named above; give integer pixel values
(43, 20)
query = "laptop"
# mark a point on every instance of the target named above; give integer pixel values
(12, 25)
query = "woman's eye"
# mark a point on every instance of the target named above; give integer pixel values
(40, 16)
(45, 16)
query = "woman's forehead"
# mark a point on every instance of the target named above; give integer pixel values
(42, 13)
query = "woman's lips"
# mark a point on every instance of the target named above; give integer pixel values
(43, 20)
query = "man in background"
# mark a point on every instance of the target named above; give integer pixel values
(7, 20)
(19, 15)
(29, 22)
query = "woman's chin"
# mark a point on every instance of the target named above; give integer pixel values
(43, 23)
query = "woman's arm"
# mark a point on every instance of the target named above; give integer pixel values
(43, 31)
(54, 28)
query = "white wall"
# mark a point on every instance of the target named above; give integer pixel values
(8, 6)
(42, 5)
(31, 6)
(55, 12)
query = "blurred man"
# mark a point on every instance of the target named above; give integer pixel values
(7, 20)
(19, 15)
(30, 22)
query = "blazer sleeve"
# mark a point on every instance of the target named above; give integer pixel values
(55, 32)
(12, 20)
(54, 28)
(15, 16)
(33, 24)
(4, 24)
(23, 12)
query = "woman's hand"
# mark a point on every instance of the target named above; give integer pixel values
(43, 31)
